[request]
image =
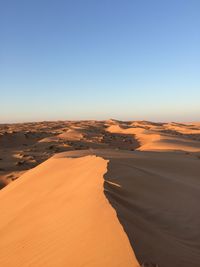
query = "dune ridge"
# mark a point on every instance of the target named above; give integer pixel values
(153, 139)
(24, 146)
(150, 174)
(156, 196)
(57, 215)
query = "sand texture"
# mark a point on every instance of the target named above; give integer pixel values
(57, 215)
(100, 193)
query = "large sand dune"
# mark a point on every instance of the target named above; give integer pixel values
(57, 215)
(156, 196)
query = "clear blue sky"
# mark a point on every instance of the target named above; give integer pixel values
(98, 59)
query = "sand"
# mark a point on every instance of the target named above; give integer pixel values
(156, 196)
(57, 215)
(153, 139)
(24, 146)
(119, 193)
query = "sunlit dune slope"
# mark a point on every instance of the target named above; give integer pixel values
(57, 215)
(26, 145)
(154, 140)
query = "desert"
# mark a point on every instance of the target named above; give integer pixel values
(117, 193)
(99, 133)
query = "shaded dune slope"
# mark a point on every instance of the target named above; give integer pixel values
(156, 196)
(57, 215)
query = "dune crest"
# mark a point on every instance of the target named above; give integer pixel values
(156, 196)
(26, 145)
(154, 138)
(57, 215)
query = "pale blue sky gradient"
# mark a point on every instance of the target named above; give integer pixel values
(91, 59)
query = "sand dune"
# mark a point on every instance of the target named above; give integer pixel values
(57, 215)
(152, 140)
(156, 196)
(69, 134)
(157, 202)
(36, 142)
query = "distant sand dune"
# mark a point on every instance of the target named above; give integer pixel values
(151, 140)
(36, 142)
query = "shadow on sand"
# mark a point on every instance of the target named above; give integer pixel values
(156, 197)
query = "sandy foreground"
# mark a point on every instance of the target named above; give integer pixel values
(57, 215)
(117, 194)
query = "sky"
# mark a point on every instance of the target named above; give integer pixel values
(99, 59)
